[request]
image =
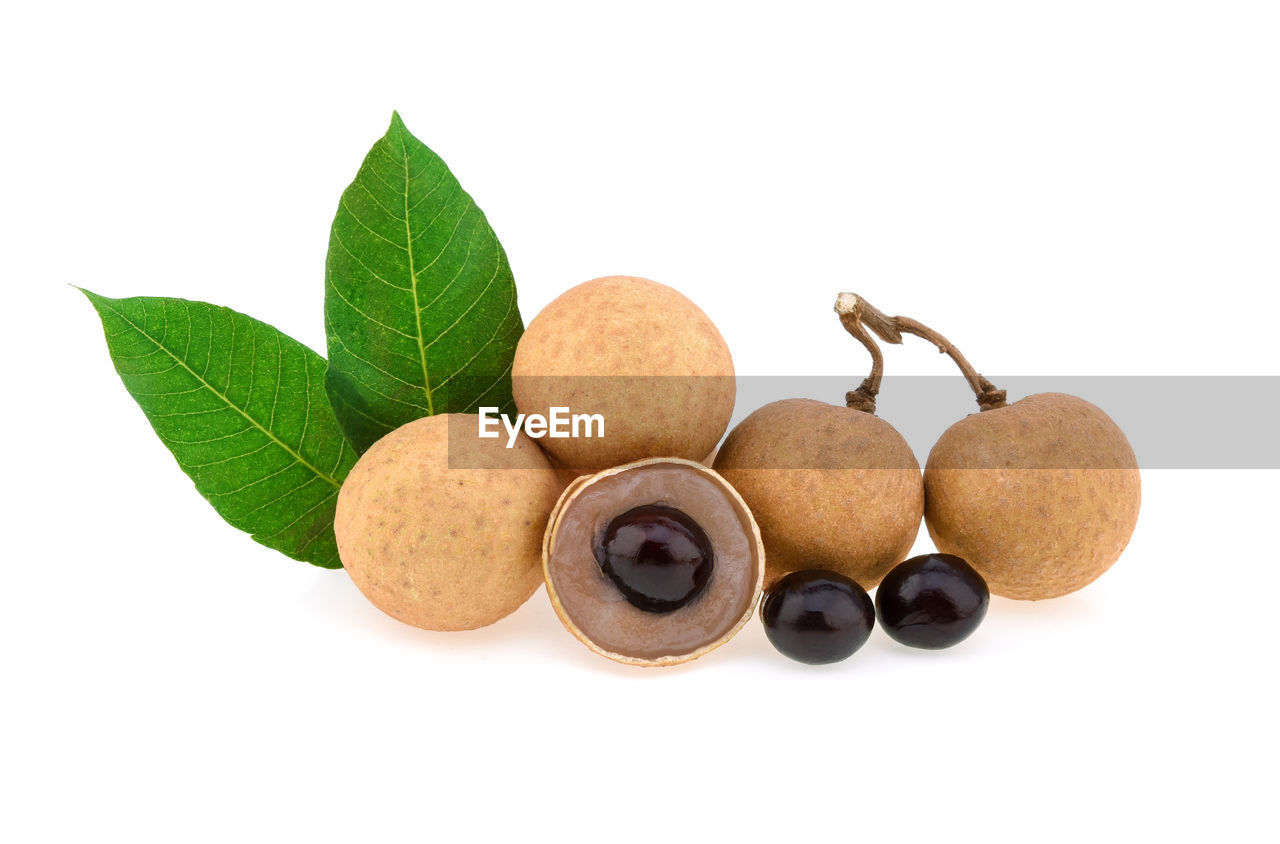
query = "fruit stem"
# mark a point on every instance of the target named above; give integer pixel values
(890, 329)
(849, 307)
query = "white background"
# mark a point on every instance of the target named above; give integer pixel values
(1064, 188)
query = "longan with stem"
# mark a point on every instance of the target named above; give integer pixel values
(1041, 496)
(831, 487)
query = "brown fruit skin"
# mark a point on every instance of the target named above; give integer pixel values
(830, 487)
(601, 347)
(1040, 496)
(446, 548)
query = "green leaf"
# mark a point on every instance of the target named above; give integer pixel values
(243, 409)
(420, 305)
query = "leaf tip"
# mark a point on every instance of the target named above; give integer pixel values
(93, 298)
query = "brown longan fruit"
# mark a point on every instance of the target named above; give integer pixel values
(442, 529)
(831, 488)
(636, 352)
(1040, 496)
(834, 488)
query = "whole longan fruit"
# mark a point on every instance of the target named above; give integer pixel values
(831, 487)
(638, 353)
(442, 529)
(1040, 496)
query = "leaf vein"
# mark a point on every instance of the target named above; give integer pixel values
(264, 505)
(466, 259)
(371, 319)
(443, 173)
(471, 307)
(321, 503)
(262, 447)
(378, 202)
(366, 226)
(413, 281)
(487, 343)
(363, 265)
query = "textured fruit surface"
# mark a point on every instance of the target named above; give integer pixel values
(830, 487)
(446, 548)
(589, 602)
(817, 616)
(658, 557)
(932, 601)
(1040, 496)
(636, 352)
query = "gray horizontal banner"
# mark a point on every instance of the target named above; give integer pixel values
(1172, 422)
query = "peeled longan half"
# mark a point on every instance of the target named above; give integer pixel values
(601, 606)
(639, 354)
(831, 488)
(442, 529)
(1040, 496)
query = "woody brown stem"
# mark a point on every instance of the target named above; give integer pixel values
(890, 329)
(848, 307)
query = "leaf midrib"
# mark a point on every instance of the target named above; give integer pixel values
(294, 454)
(413, 282)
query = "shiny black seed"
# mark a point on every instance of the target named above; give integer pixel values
(817, 616)
(932, 601)
(657, 556)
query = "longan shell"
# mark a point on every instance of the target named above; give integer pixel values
(596, 613)
(446, 548)
(640, 354)
(1040, 496)
(830, 487)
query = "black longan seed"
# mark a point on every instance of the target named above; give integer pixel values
(817, 616)
(932, 601)
(658, 557)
